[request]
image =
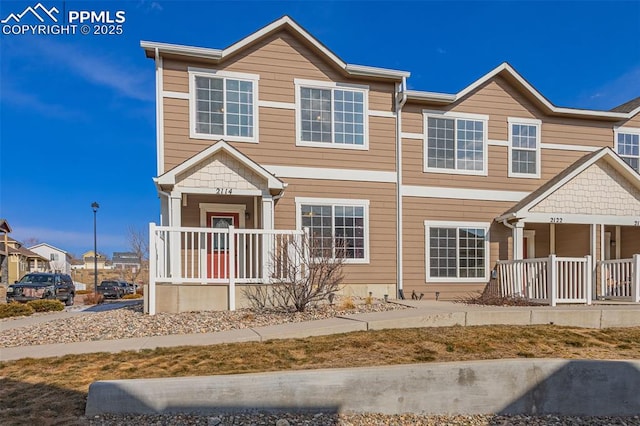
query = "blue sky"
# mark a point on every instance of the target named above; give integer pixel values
(77, 113)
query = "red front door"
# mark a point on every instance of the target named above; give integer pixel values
(218, 244)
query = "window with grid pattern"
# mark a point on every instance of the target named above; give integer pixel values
(335, 229)
(524, 146)
(456, 252)
(332, 115)
(628, 145)
(455, 144)
(224, 106)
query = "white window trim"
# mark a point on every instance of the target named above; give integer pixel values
(339, 202)
(625, 130)
(452, 224)
(300, 83)
(211, 73)
(527, 122)
(455, 115)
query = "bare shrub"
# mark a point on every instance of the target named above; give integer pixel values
(93, 299)
(303, 273)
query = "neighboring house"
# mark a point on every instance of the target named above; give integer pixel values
(59, 260)
(125, 260)
(22, 260)
(427, 191)
(5, 229)
(88, 259)
(77, 264)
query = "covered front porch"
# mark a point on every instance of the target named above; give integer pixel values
(577, 238)
(216, 234)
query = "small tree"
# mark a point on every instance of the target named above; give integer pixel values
(139, 245)
(302, 273)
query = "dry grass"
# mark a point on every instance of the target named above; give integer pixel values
(60, 384)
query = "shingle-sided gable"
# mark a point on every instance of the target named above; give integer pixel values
(598, 190)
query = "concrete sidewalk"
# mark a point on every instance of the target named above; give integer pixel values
(424, 314)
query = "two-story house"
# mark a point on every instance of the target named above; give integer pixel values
(59, 260)
(422, 191)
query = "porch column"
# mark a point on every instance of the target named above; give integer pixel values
(518, 240)
(267, 242)
(267, 211)
(175, 220)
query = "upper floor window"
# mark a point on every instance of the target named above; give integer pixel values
(331, 114)
(223, 105)
(53, 256)
(336, 227)
(456, 143)
(627, 145)
(524, 147)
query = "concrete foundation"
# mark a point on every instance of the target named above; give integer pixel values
(540, 386)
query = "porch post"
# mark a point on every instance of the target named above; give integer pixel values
(518, 240)
(232, 268)
(267, 239)
(635, 279)
(593, 254)
(151, 297)
(175, 220)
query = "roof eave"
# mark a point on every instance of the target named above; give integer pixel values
(418, 95)
(366, 71)
(178, 49)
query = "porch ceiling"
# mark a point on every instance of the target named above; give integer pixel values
(598, 188)
(220, 169)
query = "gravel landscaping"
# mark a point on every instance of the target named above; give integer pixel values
(130, 322)
(363, 420)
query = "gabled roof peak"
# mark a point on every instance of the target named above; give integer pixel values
(284, 22)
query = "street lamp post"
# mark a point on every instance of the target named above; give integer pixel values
(95, 207)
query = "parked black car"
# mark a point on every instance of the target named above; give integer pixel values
(112, 288)
(42, 285)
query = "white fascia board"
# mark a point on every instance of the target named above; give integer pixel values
(583, 219)
(462, 193)
(367, 71)
(198, 52)
(431, 96)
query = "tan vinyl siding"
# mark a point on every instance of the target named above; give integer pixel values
(417, 210)
(573, 240)
(381, 268)
(630, 242)
(542, 239)
(500, 100)
(279, 60)
(632, 122)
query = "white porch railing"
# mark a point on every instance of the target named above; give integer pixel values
(620, 279)
(181, 255)
(549, 280)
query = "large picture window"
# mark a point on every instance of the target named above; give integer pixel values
(456, 252)
(336, 227)
(331, 116)
(456, 144)
(627, 146)
(223, 105)
(524, 148)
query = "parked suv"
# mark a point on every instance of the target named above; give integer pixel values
(42, 285)
(112, 288)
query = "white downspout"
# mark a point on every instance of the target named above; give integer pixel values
(400, 99)
(159, 114)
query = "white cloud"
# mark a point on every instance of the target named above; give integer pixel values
(615, 92)
(103, 70)
(71, 241)
(34, 104)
